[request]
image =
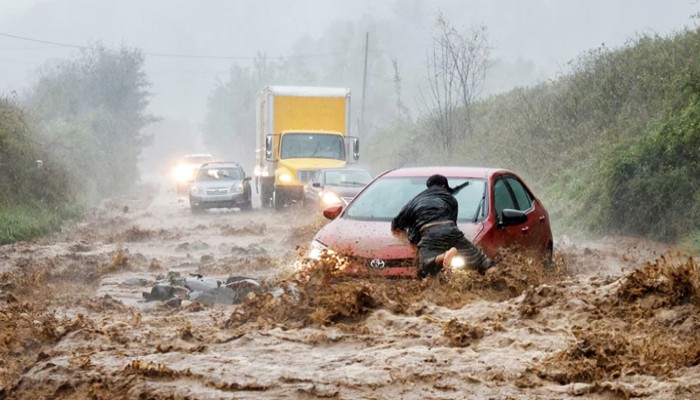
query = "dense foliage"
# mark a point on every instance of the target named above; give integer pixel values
(83, 120)
(90, 112)
(33, 197)
(611, 146)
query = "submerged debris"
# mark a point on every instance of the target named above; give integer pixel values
(208, 291)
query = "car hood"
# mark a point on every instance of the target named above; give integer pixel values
(373, 239)
(216, 184)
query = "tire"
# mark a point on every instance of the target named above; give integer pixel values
(277, 199)
(548, 262)
(248, 205)
(265, 196)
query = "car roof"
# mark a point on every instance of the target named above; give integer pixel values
(221, 164)
(198, 155)
(449, 172)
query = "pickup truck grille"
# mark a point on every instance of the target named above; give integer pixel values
(304, 176)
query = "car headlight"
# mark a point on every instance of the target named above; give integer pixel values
(458, 262)
(330, 198)
(285, 177)
(237, 187)
(315, 250)
(183, 173)
(194, 190)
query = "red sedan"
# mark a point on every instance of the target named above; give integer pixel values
(497, 211)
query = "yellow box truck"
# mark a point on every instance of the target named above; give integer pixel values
(299, 131)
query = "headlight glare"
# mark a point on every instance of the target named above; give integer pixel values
(330, 198)
(315, 250)
(458, 262)
(285, 177)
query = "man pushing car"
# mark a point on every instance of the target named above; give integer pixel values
(430, 222)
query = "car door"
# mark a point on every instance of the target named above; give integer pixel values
(536, 229)
(517, 236)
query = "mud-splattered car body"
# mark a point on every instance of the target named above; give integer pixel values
(497, 211)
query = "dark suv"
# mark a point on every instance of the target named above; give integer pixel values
(220, 185)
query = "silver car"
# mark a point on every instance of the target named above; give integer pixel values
(220, 185)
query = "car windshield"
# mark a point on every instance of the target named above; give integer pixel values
(219, 174)
(351, 178)
(313, 145)
(384, 198)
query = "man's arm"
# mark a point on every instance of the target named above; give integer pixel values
(404, 219)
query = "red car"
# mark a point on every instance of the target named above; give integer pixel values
(496, 211)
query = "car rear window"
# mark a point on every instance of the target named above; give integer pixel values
(383, 199)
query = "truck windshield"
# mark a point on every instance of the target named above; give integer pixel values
(313, 145)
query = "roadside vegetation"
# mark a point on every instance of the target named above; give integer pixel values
(613, 146)
(71, 141)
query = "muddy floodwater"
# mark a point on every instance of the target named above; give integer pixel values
(616, 318)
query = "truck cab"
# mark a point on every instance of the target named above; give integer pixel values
(300, 130)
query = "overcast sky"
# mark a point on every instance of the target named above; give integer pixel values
(548, 33)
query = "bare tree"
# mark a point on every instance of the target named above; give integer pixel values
(403, 113)
(456, 71)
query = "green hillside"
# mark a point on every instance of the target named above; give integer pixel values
(611, 147)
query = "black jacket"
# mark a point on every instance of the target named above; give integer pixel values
(431, 205)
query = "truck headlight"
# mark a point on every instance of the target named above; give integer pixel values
(237, 187)
(285, 177)
(330, 198)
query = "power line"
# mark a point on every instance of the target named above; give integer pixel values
(170, 55)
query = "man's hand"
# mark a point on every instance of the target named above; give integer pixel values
(491, 271)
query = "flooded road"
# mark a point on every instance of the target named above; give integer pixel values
(617, 318)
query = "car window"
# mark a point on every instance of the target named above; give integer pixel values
(349, 178)
(502, 197)
(384, 198)
(521, 195)
(219, 174)
(312, 145)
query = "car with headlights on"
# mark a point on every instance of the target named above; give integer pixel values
(220, 185)
(497, 212)
(186, 169)
(336, 186)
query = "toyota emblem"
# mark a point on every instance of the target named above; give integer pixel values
(377, 263)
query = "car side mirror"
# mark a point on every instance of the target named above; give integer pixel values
(332, 212)
(352, 145)
(355, 149)
(268, 148)
(512, 217)
(316, 184)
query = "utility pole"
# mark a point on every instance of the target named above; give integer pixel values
(364, 88)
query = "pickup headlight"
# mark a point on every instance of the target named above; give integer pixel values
(237, 187)
(330, 198)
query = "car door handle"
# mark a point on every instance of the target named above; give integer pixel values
(525, 229)
(542, 218)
